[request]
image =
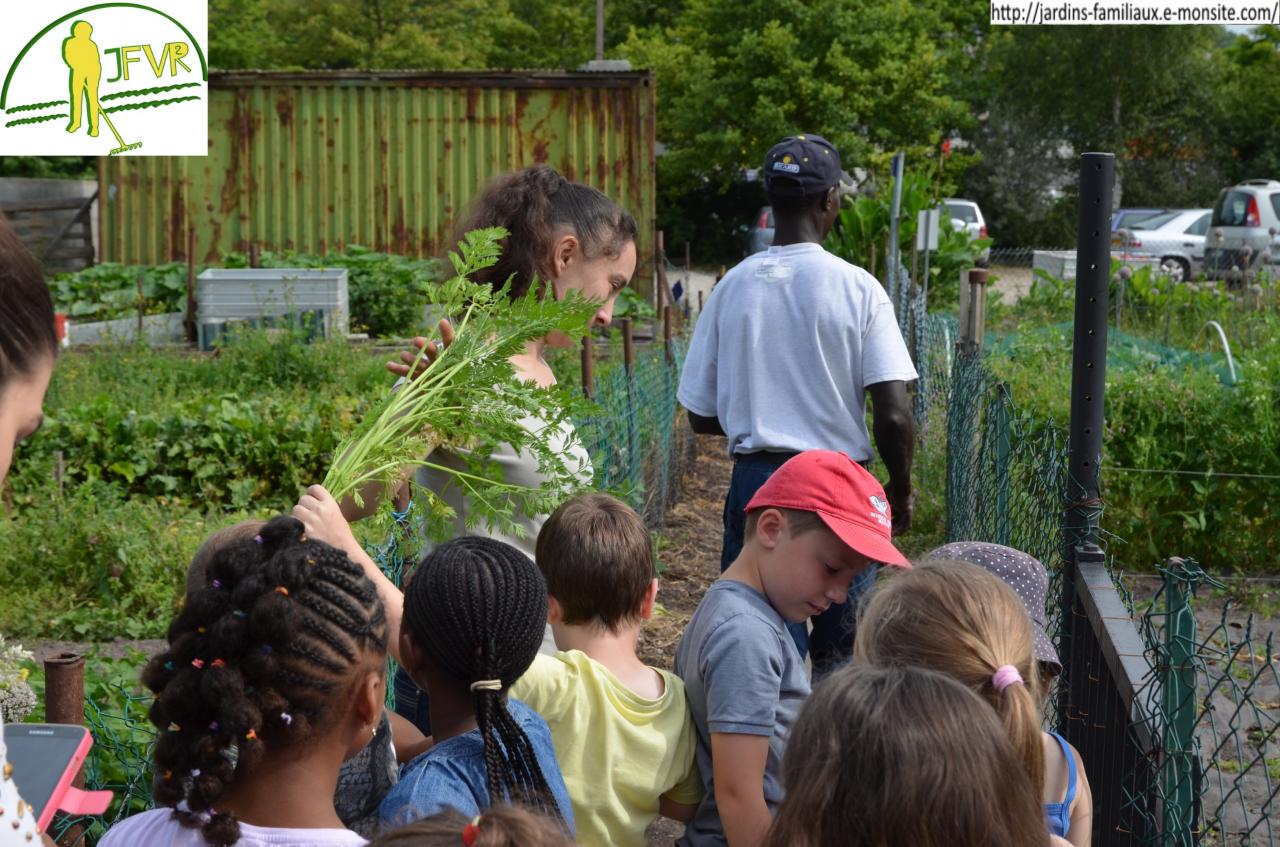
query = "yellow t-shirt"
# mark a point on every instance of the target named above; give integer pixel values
(618, 752)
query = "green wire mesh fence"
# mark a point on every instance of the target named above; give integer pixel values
(1175, 707)
(640, 447)
(1211, 707)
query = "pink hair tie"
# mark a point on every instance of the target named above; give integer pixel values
(1005, 676)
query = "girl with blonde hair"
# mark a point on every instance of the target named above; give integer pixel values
(962, 620)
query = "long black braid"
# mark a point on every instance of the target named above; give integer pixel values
(478, 608)
(254, 661)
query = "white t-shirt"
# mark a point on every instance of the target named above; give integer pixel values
(518, 468)
(785, 349)
(157, 828)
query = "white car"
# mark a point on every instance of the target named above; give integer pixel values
(966, 215)
(1173, 241)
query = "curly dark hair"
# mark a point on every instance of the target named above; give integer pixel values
(477, 608)
(255, 660)
(536, 204)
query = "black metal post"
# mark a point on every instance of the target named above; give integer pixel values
(1089, 349)
(1082, 506)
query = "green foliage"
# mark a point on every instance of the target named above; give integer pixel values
(957, 251)
(1250, 89)
(405, 34)
(387, 292)
(49, 167)
(1173, 425)
(736, 77)
(250, 426)
(469, 396)
(92, 565)
(110, 290)
(631, 305)
(863, 225)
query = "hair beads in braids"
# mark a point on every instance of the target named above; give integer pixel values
(256, 659)
(477, 608)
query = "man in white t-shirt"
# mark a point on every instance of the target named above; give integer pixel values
(783, 356)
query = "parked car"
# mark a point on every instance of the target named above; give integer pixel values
(760, 233)
(1172, 241)
(966, 215)
(1243, 231)
(1125, 218)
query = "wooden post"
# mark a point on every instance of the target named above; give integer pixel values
(666, 334)
(140, 303)
(977, 306)
(628, 352)
(588, 367)
(253, 255)
(688, 259)
(189, 322)
(660, 269)
(699, 301)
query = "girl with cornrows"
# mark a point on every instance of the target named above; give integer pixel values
(473, 617)
(273, 676)
(564, 236)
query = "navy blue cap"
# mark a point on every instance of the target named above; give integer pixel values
(801, 165)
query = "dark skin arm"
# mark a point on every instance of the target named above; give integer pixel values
(895, 434)
(705, 426)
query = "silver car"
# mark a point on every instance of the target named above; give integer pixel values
(1243, 232)
(1172, 241)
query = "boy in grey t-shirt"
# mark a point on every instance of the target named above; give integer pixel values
(820, 520)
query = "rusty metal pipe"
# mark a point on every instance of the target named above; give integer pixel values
(64, 688)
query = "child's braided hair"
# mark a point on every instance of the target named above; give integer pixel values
(255, 660)
(478, 608)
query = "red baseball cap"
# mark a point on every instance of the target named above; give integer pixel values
(849, 500)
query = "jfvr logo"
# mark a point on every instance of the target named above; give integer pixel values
(74, 73)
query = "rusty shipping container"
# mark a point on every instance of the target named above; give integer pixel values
(315, 161)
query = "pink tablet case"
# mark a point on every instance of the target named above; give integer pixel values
(70, 799)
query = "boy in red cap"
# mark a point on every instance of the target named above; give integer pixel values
(816, 523)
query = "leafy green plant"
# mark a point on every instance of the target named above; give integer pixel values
(957, 251)
(110, 290)
(631, 305)
(470, 396)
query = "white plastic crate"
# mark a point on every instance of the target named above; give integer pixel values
(230, 294)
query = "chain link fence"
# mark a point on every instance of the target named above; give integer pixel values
(1173, 700)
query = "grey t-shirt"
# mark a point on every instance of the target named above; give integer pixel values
(743, 676)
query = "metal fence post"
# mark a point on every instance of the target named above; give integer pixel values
(1082, 504)
(1178, 702)
(1089, 349)
(1003, 453)
(891, 249)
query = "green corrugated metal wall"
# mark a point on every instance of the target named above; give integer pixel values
(315, 161)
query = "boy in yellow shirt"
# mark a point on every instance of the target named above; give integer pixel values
(622, 729)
